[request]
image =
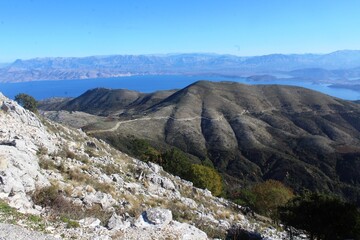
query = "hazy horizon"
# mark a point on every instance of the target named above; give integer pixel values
(39, 28)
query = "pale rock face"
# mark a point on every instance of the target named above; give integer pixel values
(21, 135)
(117, 222)
(104, 199)
(161, 181)
(188, 232)
(154, 167)
(23, 127)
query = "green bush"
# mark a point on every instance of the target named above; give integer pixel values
(27, 101)
(265, 198)
(269, 195)
(206, 177)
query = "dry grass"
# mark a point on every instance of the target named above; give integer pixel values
(46, 163)
(109, 168)
(61, 207)
(180, 211)
(136, 205)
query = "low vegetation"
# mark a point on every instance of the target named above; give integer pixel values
(206, 177)
(27, 101)
(61, 207)
(265, 198)
(322, 217)
(12, 216)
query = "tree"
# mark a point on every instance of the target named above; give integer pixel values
(206, 177)
(144, 151)
(177, 163)
(27, 101)
(323, 217)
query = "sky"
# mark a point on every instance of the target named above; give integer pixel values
(77, 28)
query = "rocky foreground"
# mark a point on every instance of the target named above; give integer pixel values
(59, 183)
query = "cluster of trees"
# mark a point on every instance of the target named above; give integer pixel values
(322, 217)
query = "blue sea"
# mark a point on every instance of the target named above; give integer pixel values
(149, 83)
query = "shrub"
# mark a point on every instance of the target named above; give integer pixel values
(206, 177)
(264, 197)
(27, 101)
(46, 197)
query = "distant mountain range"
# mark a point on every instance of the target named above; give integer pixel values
(342, 65)
(251, 133)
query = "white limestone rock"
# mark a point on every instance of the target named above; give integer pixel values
(90, 222)
(104, 199)
(163, 182)
(154, 217)
(117, 222)
(188, 232)
(155, 167)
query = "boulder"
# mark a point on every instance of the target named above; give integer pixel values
(186, 231)
(154, 217)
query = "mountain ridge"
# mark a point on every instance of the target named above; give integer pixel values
(125, 65)
(253, 132)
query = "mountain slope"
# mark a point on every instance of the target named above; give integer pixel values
(60, 181)
(251, 133)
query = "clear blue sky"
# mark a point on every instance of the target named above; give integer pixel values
(40, 28)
